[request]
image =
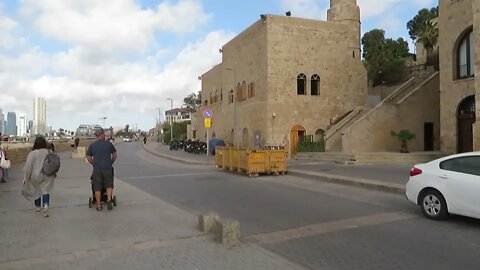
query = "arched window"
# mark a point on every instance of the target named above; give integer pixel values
(244, 90)
(238, 92)
(301, 84)
(315, 85)
(466, 55)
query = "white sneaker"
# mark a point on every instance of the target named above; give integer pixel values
(38, 209)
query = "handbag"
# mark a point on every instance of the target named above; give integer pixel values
(5, 164)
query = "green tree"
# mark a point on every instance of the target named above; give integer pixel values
(193, 101)
(403, 136)
(414, 25)
(428, 35)
(127, 127)
(383, 57)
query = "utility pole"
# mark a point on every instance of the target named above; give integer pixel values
(171, 119)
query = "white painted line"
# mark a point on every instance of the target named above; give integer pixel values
(165, 176)
(327, 227)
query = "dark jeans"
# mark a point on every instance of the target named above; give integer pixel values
(45, 198)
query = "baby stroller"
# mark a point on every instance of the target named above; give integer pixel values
(103, 197)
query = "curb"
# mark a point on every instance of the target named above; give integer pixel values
(187, 161)
(351, 181)
(332, 178)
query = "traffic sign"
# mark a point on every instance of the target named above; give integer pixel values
(207, 113)
(207, 122)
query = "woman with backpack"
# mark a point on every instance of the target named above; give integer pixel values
(37, 185)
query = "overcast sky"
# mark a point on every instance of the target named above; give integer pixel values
(122, 59)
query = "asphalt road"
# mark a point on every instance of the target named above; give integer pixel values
(315, 224)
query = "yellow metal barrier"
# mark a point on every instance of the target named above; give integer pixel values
(277, 161)
(219, 152)
(251, 162)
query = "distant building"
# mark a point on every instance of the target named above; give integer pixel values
(2, 122)
(87, 130)
(11, 128)
(22, 125)
(178, 115)
(39, 116)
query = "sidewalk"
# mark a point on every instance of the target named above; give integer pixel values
(142, 232)
(385, 177)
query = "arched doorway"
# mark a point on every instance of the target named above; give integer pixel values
(296, 134)
(245, 138)
(465, 120)
(319, 135)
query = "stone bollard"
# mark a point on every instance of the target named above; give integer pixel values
(79, 152)
(228, 232)
(207, 223)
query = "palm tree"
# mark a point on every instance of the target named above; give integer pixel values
(428, 35)
(403, 136)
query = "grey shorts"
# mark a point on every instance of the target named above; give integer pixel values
(102, 179)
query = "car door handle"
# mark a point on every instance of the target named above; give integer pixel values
(443, 176)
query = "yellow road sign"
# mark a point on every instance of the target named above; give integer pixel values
(207, 122)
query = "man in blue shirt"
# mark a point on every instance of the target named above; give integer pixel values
(101, 154)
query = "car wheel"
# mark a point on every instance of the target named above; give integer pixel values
(433, 204)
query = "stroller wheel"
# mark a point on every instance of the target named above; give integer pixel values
(89, 202)
(114, 200)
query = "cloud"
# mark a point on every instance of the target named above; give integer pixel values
(310, 9)
(79, 92)
(370, 8)
(114, 25)
(7, 26)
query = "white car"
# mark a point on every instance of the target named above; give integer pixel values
(127, 139)
(448, 185)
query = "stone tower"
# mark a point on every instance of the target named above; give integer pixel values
(347, 12)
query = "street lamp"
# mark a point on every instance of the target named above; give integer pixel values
(158, 125)
(171, 119)
(234, 104)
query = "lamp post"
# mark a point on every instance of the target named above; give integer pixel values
(234, 104)
(158, 125)
(171, 119)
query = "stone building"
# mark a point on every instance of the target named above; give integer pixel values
(459, 42)
(284, 78)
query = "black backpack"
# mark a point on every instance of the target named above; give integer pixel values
(51, 164)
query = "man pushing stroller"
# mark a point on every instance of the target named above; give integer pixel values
(102, 154)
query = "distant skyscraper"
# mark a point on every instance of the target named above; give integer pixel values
(22, 125)
(2, 122)
(39, 116)
(11, 124)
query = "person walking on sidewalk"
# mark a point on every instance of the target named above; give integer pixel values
(3, 172)
(36, 184)
(102, 154)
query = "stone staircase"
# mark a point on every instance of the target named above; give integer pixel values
(333, 134)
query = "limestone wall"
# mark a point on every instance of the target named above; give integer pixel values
(476, 26)
(270, 54)
(311, 47)
(371, 133)
(456, 17)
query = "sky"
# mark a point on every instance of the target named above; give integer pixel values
(118, 61)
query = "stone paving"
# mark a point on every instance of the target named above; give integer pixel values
(142, 232)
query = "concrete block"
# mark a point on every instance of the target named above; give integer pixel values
(208, 222)
(79, 152)
(228, 232)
